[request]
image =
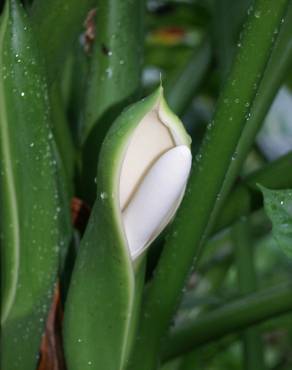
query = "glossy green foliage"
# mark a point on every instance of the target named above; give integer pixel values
(229, 318)
(180, 91)
(227, 25)
(276, 69)
(104, 285)
(62, 136)
(29, 193)
(278, 206)
(55, 42)
(114, 77)
(62, 86)
(119, 54)
(211, 165)
(253, 358)
(270, 175)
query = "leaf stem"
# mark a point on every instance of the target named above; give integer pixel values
(277, 67)
(232, 317)
(210, 168)
(246, 275)
(181, 91)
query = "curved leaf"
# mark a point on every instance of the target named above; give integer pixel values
(28, 194)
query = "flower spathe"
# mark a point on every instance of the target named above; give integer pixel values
(153, 176)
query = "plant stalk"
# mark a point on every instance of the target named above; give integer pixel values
(232, 317)
(277, 67)
(206, 181)
(180, 92)
(246, 276)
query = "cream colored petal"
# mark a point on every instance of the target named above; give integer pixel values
(156, 196)
(150, 139)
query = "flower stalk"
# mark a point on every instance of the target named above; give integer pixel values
(144, 165)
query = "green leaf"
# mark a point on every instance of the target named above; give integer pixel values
(278, 206)
(63, 137)
(29, 213)
(113, 79)
(57, 25)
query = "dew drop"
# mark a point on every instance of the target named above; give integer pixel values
(109, 72)
(103, 196)
(257, 14)
(250, 9)
(209, 126)
(198, 157)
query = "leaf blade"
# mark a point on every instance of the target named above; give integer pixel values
(278, 207)
(28, 193)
